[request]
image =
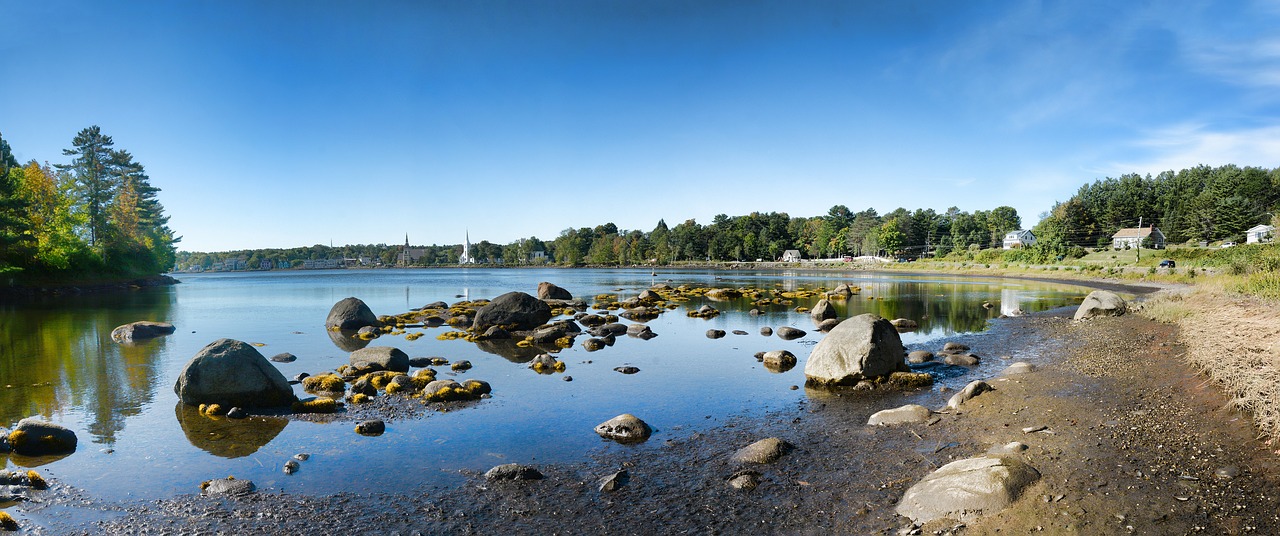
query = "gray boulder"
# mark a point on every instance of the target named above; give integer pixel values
(232, 373)
(822, 311)
(138, 331)
(862, 347)
(767, 450)
(284, 357)
(967, 489)
(766, 331)
(550, 291)
(625, 428)
(908, 414)
(35, 437)
(963, 360)
(828, 324)
(1101, 303)
(904, 324)
(514, 311)
(974, 388)
(350, 314)
(376, 358)
(1021, 367)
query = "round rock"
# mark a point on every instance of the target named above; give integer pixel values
(625, 428)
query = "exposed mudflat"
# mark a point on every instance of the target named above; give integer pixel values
(1132, 443)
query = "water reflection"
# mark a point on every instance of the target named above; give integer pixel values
(225, 437)
(55, 358)
(346, 340)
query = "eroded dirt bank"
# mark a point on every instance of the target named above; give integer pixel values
(1135, 442)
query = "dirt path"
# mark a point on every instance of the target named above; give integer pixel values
(1135, 442)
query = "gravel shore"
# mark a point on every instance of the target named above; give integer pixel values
(1131, 440)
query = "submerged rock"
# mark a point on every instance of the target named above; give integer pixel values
(377, 358)
(788, 333)
(778, 360)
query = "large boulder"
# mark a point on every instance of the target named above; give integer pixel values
(137, 331)
(967, 489)
(550, 291)
(822, 311)
(350, 314)
(513, 311)
(376, 358)
(232, 373)
(862, 347)
(34, 437)
(1101, 303)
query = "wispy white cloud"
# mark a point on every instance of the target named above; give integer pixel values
(1187, 145)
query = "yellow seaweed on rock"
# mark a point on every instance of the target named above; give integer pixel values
(36, 480)
(360, 398)
(215, 410)
(324, 382)
(412, 336)
(316, 405)
(7, 522)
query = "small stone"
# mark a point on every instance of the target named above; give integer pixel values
(1033, 429)
(237, 413)
(766, 450)
(290, 467)
(627, 369)
(745, 480)
(513, 471)
(460, 365)
(568, 378)
(285, 357)
(614, 481)
(1227, 473)
(715, 333)
(766, 331)
(302, 456)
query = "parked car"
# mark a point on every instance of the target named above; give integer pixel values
(1168, 263)
(1228, 244)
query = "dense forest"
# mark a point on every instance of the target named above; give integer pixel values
(95, 217)
(1197, 204)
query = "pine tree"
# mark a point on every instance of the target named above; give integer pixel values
(15, 235)
(95, 181)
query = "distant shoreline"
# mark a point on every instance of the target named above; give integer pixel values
(86, 286)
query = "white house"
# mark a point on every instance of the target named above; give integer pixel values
(1260, 234)
(1134, 236)
(1018, 239)
(791, 255)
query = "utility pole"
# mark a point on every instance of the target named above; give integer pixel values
(1139, 240)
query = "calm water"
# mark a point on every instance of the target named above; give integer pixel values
(57, 361)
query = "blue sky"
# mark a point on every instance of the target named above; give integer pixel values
(291, 123)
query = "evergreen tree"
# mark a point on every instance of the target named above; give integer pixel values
(95, 180)
(15, 227)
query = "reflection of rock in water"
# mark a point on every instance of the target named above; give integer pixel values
(508, 349)
(227, 438)
(346, 341)
(31, 461)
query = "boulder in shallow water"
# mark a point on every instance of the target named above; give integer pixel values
(35, 437)
(232, 373)
(138, 331)
(513, 311)
(863, 347)
(350, 314)
(908, 414)
(625, 428)
(377, 358)
(551, 291)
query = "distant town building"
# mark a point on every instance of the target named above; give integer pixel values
(1260, 234)
(408, 255)
(791, 255)
(1019, 239)
(1132, 238)
(321, 264)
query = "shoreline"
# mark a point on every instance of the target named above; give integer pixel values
(87, 286)
(1134, 440)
